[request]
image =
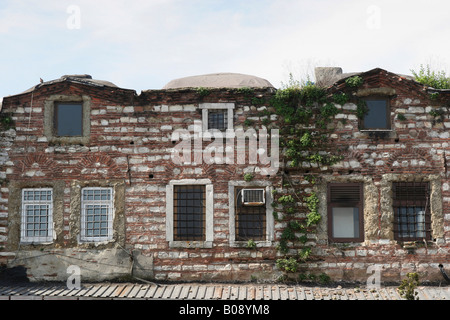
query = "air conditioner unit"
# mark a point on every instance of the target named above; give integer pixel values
(253, 197)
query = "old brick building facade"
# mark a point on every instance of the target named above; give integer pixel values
(89, 179)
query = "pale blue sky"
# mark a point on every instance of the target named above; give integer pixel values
(143, 44)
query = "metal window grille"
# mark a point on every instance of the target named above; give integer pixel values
(218, 119)
(97, 214)
(412, 217)
(250, 221)
(189, 212)
(37, 215)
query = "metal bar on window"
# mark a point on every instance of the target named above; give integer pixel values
(189, 212)
(96, 214)
(250, 220)
(411, 211)
(37, 215)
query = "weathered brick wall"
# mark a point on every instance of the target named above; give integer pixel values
(129, 148)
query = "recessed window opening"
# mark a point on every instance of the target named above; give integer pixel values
(412, 218)
(68, 119)
(250, 220)
(189, 211)
(96, 214)
(217, 119)
(345, 212)
(378, 115)
(37, 215)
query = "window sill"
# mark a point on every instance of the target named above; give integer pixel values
(79, 140)
(244, 244)
(190, 244)
(376, 130)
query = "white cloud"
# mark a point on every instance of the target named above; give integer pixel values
(143, 44)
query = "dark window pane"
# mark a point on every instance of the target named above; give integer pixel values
(250, 220)
(411, 211)
(377, 116)
(189, 213)
(217, 119)
(69, 119)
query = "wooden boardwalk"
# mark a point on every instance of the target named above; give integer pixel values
(213, 291)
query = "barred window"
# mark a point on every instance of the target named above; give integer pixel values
(412, 220)
(217, 119)
(189, 212)
(345, 212)
(37, 215)
(250, 219)
(96, 214)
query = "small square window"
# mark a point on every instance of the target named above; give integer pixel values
(68, 119)
(217, 119)
(378, 115)
(345, 212)
(217, 116)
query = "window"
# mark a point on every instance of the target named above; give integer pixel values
(345, 212)
(218, 116)
(217, 119)
(37, 215)
(96, 214)
(378, 115)
(411, 211)
(189, 213)
(250, 220)
(68, 119)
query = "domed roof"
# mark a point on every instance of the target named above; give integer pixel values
(77, 78)
(219, 80)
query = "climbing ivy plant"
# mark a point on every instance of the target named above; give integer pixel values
(305, 114)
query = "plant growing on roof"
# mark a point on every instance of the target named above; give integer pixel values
(431, 78)
(354, 81)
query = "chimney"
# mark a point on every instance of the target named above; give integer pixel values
(326, 76)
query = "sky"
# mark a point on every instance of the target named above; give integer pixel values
(143, 44)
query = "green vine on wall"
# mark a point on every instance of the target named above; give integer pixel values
(305, 115)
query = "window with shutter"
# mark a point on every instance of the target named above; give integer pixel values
(345, 212)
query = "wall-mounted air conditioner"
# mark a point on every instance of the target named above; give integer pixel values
(253, 197)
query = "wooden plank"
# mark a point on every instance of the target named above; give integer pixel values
(108, 291)
(209, 294)
(97, 293)
(200, 292)
(176, 291)
(185, 292)
(242, 293)
(150, 294)
(142, 291)
(126, 290)
(218, 291)
(193, 292)
(168, 292)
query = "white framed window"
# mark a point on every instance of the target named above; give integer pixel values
(37, 215)
(217, 116)
(97, 214)
(189, 213)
